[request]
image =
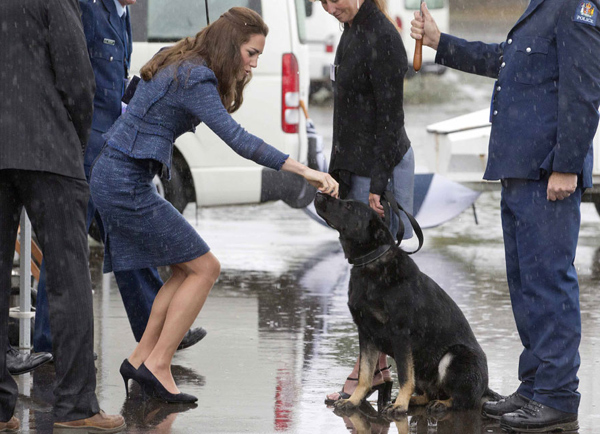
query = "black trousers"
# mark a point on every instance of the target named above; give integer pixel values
(56, 206)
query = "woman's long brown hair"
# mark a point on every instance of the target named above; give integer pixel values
(219, 46)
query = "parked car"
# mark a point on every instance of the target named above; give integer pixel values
(324, 31)
(459, 149)
(205, 170)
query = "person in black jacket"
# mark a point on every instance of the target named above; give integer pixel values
(47, 90)
(371, 152)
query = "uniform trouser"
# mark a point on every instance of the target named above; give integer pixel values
(540, 240)
(56, 207)
(138, 288)
(401, 184)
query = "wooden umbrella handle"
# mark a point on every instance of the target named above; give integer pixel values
(418, 57)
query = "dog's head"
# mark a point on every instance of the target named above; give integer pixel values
(361, 229)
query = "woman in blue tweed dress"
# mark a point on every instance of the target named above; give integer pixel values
(199, 79)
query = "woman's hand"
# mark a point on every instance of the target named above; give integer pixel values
(320, 180)
(375, 204)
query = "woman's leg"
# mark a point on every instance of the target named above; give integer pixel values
(382, 374)
(175, 308)
(157, 317)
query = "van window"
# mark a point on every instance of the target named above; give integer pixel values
(171, 20)
(301, 12)
(431, 4)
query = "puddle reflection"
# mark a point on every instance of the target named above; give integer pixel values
(366, 420)
(280, 339)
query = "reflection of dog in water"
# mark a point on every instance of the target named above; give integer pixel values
(368, 421)
(402, 312)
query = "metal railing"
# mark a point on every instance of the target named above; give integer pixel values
(23, 312)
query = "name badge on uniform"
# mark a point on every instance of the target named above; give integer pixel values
(332, 71)
(109, 41)
(586, 13)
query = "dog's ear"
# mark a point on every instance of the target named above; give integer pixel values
(379, 230)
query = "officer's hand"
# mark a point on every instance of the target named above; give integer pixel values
(425, 27)
(561, 185)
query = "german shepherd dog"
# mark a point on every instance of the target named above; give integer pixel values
(403, 313)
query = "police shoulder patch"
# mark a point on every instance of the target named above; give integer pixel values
(586, 13)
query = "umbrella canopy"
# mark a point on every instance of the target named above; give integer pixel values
(438, 200)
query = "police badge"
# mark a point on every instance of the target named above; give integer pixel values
(586, 13)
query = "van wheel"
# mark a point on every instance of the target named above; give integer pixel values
(174, 189)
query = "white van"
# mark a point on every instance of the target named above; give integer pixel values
(324, 31)
(205, 170)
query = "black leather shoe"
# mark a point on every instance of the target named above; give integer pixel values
(536, 417)
(20, 363)
(495, 409)
(192, 337)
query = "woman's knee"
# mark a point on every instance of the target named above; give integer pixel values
(206, 266)
(213, 267)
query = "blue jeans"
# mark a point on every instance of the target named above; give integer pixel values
(402, 184)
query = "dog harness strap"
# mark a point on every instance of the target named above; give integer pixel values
(395, 207)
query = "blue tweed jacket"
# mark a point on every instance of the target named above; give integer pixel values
(174, 102)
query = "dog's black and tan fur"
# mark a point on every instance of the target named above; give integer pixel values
(402, 312)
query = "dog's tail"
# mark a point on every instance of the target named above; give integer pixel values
(490, 395)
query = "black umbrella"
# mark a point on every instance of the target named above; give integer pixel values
(207, 18)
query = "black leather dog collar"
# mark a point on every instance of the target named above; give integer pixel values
(371, 256)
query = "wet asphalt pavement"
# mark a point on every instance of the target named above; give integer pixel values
(280, 336)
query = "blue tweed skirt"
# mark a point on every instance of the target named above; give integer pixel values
(142, 229)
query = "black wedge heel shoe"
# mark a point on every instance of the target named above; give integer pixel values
(128, 372)
(154, 388)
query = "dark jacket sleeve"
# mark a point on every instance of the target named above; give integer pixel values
(389, 67)
(473, 57)
(74, 78)
(578, 46)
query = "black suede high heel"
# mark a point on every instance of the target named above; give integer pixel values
(154, 388)
(128, 372)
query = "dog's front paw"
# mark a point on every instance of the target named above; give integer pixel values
(437, 407)
(344, 407)
(395, 413)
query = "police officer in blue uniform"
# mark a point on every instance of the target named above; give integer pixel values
(544, 115)
(107, 28)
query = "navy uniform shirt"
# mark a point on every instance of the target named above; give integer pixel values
(108, 38)
(544, 109)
